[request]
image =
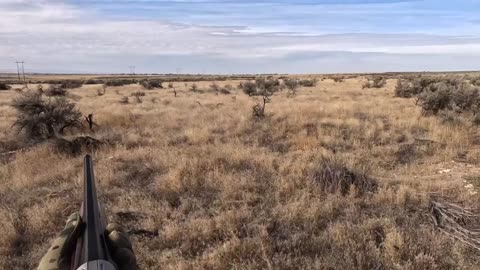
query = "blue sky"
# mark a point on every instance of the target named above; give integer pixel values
(226, 36)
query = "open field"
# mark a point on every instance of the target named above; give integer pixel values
(201, 184)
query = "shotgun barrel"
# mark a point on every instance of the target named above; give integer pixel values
(91, 252)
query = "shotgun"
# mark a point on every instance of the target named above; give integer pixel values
(91, 250)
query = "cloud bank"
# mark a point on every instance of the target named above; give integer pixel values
(239, 36)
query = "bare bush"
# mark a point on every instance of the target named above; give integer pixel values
(43, 118)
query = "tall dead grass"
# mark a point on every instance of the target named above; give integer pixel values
(204, 186)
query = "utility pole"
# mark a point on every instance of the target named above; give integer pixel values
(132, 70)
(22, 69)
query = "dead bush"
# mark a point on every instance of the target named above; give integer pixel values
(170, 85)
(43, 118)
(4, 86)
(333, 175)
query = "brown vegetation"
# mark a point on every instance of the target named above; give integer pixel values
(334, 178)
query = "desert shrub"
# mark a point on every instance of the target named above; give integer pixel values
(170, 85)
(194, 88)
(376, 82)
(151, 84)
(43, 117)
(94, 81)
(71, 84)
(437, 98)
(214, 87)
(466, 98)
(4, 86)
(411, 86)
(56, 90)
(124, 100)
(101, 91)
(308, 83)
(333, 175)
(222, 90)
(406, 154)
(120, 82)
(137, 95)
(249, 88)
(292, 86)
(338, 79)
(449, 95)
(77, 146)
(261, 87)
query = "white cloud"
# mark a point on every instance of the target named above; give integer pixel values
(49, 29)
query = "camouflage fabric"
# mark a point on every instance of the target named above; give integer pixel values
(117, 240)
(51, 260)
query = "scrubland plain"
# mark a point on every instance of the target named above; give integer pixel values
(201, 184)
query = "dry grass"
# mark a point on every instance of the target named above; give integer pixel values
(220, 190)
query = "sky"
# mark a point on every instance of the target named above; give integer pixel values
(227, 36)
